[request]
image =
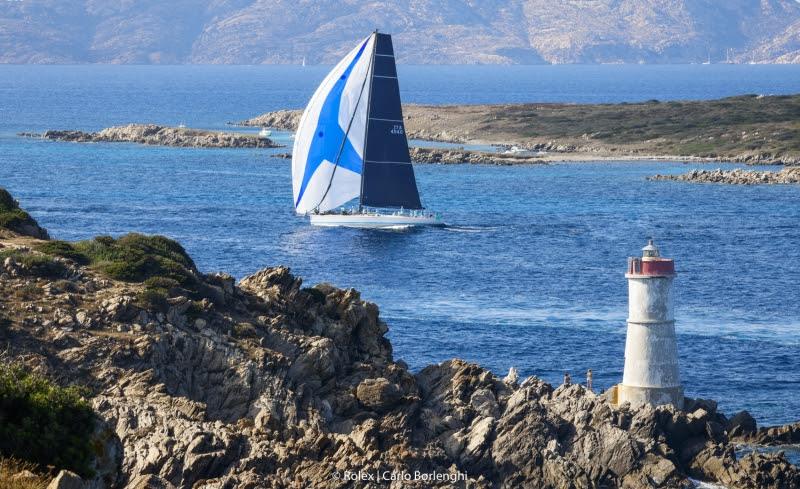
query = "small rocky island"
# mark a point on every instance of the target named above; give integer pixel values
(790, 175)
(751, 129)
(156, 135)
(162, 376)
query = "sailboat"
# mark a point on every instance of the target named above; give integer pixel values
(351, 144)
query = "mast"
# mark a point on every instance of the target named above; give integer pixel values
(366, 124)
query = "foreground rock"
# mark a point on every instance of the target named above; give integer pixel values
(160, 136)
(790, 175)
(270, 384)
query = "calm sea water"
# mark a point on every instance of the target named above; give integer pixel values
(529, 270)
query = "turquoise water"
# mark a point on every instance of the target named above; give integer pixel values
(529, 270)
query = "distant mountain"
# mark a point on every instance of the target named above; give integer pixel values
(425, 31)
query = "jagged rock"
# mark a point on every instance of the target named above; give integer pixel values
(149, 481)
(462, 156)
(776, 435)
(24, 476)
(66, 480)
(790, 175)
(378, 394)
(741, 424)
(512, 377)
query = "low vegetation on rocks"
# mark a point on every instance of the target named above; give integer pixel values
(13, 218)
(751, 129)
(34, 263)
(19, 474)
(44, 423)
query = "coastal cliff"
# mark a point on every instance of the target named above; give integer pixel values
(747, 129)
(201, 382)
(152, 134)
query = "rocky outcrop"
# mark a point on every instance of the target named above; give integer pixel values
(771, 436)
(152, 134)
(286, 120)
(14, 219)
(462, 156)
(266, 383)
(789, 175)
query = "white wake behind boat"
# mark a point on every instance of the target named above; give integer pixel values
(351, 144)
(375, 220)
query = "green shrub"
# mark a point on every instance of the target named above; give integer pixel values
(16, 219)
(38, 265)
(44, 423)
(244, 330)
(195, 310)
(161, 283)
(316, 295)
(136, 258)
(152, 299)
(64, 250)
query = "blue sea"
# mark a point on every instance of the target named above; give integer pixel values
(528, 271)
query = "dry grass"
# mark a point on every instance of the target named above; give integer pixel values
(10, 467)
(724, 127)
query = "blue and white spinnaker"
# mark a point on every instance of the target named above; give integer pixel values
(327, 158)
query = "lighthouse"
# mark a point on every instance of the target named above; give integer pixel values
(651, 350)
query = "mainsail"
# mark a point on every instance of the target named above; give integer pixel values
(351, 139)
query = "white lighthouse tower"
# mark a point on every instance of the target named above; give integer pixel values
(651, 350)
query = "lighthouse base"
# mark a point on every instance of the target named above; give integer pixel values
(655, 396)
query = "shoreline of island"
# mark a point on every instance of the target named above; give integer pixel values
(157, 135)
(748, 129)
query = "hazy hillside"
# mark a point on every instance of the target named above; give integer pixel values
(426, 31)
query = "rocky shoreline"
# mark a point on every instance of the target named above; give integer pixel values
(201, 382)
(152, 134)
(738, 176)
(746, 129)
(439, 156)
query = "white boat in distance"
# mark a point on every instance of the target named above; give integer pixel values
(351, 143)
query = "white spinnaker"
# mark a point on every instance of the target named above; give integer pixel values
(338, 185)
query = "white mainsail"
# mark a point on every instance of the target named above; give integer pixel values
(327, 158)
